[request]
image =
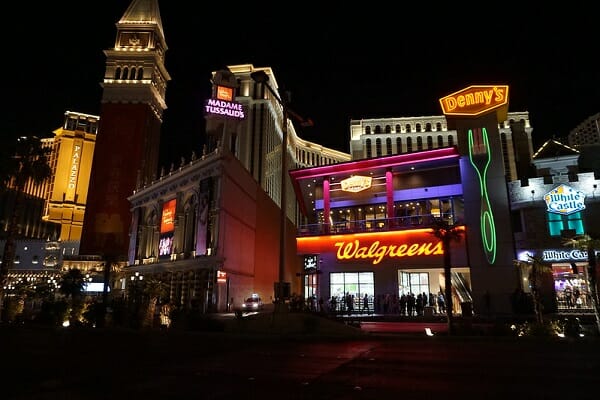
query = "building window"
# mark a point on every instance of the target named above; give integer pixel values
(557, 223)
(413, 282)
(353, 286)
(368, 147)
(388, 145)
(378, 147)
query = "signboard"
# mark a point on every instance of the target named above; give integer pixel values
(373, 248)
(167, 228)
(356, 183)
(564, 200)
(311, 261)
(476, 100)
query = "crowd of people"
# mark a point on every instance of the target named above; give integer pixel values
(406, 304)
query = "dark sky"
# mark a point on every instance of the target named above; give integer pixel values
(339, 62)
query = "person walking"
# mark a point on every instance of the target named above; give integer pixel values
(366, 304)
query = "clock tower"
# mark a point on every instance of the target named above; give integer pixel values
(131, 115)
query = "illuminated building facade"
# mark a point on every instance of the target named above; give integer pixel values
(561, 202)
(209, 232)
(65, 194)
(126, 153)
(375, 239)
(256, 139)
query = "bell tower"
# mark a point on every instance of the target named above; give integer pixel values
(127, 144)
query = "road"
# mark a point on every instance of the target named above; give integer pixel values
(93, 364)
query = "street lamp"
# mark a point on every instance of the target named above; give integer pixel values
(263, 78)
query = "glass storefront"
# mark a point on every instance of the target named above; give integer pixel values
(571, 287)
(348, 290)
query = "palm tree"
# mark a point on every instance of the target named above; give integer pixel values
(29, 163)
(589, 244)
(537, 269)
(72, 285)
(447, 233)
(154, 289)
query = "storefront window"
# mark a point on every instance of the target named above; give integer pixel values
(350, 288)
(413, 282)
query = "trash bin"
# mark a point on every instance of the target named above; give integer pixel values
(428, 311)
(466, 308)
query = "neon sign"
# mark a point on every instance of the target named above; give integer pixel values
(373, 247)
(480, 156)
(475, 100)
(223, 107)
(564, 200)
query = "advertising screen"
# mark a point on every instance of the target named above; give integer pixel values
(167, 226)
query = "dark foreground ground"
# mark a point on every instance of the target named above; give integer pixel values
(331, 362)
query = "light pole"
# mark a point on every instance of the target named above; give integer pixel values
(263, 78)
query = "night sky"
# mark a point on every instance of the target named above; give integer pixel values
(340, 62)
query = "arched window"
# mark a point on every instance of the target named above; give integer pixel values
(398, 129)
(429, 142)
(118, 73)
(419, 128)
(408, 144)
(407, 128)
(368, 130)
(398, 145)
(428, 127)
(450, 140)
(388, 145)
(140, 74)
(378, 147)
(377, 129)
(388, 129)
(438, 126)
(419, 143)
(133, 74)
(368, 148)
(125, 73)
(440, 140)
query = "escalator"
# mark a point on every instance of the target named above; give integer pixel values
(461, 287)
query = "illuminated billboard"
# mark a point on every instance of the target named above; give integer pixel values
(476, 100)
(224, 105)
(374, 248)
(167, 228)
(564, 200)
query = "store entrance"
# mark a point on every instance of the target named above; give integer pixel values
(571, 287)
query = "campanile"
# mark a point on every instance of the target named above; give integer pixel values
(131, 114)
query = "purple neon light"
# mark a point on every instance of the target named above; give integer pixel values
(381, 162)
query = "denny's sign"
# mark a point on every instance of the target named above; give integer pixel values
(476, 100)
(373, 247)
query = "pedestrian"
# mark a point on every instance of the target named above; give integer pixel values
(366, 304)
(441, 303)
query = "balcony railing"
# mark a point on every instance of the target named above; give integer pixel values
(371, 225)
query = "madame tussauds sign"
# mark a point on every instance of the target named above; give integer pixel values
(225, 108)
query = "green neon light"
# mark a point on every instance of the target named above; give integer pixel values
(481, 157)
